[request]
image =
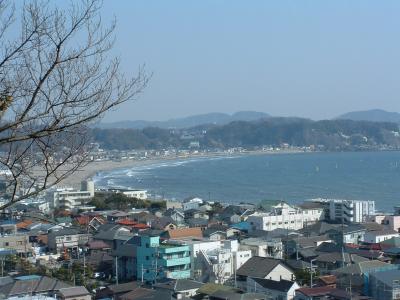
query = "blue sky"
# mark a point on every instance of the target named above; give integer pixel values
(314, 59)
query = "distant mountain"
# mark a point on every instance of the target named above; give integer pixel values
(374, 115)
(335, 135)
(191, 121)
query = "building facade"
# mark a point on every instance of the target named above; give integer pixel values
(355, 211)
(157, 260)
(286, 217)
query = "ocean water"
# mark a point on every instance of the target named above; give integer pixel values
(252, 178)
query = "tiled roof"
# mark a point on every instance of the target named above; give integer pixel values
(97, 245)
(258, 267)
(185, 232)
(282, 285)
(74, 291)
(316, 291)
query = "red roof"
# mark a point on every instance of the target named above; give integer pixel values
(316, 291)
(140, 226)
(126, 222)
(83, 220)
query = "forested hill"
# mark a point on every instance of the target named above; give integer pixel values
(332, 134)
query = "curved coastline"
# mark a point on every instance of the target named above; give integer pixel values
(95, 167)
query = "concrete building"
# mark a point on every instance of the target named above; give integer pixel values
(355, 211)
(221, 264)
(67, 198)
(156, 260)
(284, 216)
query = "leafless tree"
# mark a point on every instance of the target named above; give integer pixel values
(56, 77)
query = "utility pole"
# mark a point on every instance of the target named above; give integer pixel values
(116, 270)
(142, 273)
(311, 273)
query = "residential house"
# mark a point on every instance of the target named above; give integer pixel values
(113, 234)
(18, 242)
(177, 215)
(182, 233)
(391, 221)
(351, 234)
(380, 236)
(196, 214)
(263, 247)
(74, 293)
(315, 293)
(359, 273)
(180, 288)
(67, 239)
(32, 285)
(326, 262)
(220, 232)
(264, 268)
(163, 223)
(282, 289)
(192, 203)
(384, 285)
(114, 291)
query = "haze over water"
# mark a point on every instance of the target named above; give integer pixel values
(290, 177)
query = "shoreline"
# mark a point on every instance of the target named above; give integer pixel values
(94, 167)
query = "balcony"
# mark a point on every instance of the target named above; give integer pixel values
(175, 261)
(178, 274)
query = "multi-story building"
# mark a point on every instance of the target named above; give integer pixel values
(63, 239)
(355, 211)
(285, 216)
(157, 260)
(70, 198)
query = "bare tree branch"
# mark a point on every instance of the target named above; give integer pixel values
(56, 78)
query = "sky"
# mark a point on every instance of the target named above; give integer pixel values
(313, 59)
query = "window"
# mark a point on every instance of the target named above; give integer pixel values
(147, 258)
(6, 244)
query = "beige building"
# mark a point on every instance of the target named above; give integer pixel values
(17, 242)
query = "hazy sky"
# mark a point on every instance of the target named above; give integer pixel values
(313, 59)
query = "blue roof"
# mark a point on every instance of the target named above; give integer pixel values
(393, 250)
(5, 252)
(28, 277)
(242, 225)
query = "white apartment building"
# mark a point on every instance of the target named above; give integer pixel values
(356, 211)
(215, 261)
(69, 198)
(285, 216)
